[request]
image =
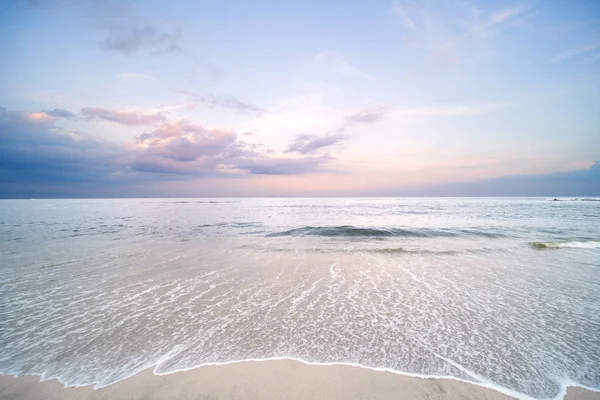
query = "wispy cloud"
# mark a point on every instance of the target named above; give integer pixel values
(366, 117)
(502, 15)
(60, 113)
(129, 40)
(120, 117)
(122, 24)
(401, 12)
(305, 144)
(125, 117)
(576, 51)
(338, 64)
(228, 102)
(496, 22)
(446, 29)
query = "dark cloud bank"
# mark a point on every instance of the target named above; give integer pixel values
(577, 183)
(36, 152)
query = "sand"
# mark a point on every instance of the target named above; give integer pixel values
(280, 379)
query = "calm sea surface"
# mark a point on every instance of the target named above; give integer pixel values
(504, 292)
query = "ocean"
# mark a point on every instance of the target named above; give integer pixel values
(503, 292)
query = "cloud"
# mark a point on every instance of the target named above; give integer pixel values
(36, 152)
(336, 63)
(146, 117)
(450, 30)
(401, 12)
(227, 102)
(283, 166)
(120, 117)
(125, 29)
(129, 40)
(182, 147)
(584, 182)
(305, 113)
(187, 142)
(306, 144)
(365, 117)
(500, 16)
(574, 52)
(501, 19)
(59, 113)
(38, 155)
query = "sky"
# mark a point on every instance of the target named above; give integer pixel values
(102, 98)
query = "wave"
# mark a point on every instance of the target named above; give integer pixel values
(575, 244)
(472, 377)
(352, 231)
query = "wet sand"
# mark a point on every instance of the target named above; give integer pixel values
(278, 379)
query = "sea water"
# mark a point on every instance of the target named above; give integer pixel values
(501, 292)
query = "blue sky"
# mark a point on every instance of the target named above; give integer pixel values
(264, 98)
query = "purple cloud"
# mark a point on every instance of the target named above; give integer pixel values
(36, 151)
(307, 144)
(60, 113)
(186, 142)
(120, 117)
(128, 40)
(365, 117)
(33, 149)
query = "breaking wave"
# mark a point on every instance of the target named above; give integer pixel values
(575, 244)
(353, 231)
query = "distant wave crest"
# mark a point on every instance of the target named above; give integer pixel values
(353, 231)
(575, 244)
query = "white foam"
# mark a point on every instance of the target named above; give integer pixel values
(478, 380)
(574, 245)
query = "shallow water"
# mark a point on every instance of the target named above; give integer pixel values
(504, 292)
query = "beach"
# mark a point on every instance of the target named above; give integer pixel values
(278, 379)
(376, 199)
(497, 292)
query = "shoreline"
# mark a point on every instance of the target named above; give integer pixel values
(271, 379)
